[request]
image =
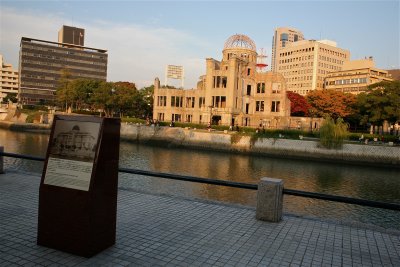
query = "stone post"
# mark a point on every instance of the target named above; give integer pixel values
(1, 160)
(269, 200)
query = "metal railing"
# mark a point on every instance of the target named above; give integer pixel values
(292, 192)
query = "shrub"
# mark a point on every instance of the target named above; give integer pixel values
(33, 115)
(133, 120)
(332, 134)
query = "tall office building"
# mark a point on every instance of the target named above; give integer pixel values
(71, 35)
(8, 79)
(281, 38)
(42, 62)
(305, 64)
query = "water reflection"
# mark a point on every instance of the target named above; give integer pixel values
(365, 182)
(24, 143)
(346, 180)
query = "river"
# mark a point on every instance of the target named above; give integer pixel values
(373, 183)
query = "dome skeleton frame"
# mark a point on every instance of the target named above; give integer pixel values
(240, 41)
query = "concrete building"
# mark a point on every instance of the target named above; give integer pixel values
(8, 80)
(232, 92)
(304, 64)
(356, 76)
(283, 36)
(71, 35)
(41, 63)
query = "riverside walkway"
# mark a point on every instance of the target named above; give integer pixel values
(168, 231)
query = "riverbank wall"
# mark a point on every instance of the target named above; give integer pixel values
(381, 155)
(373, 154)
(25, 127)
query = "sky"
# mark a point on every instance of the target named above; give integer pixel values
(142, 37)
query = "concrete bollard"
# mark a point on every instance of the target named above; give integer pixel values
(269, 200)
(1, 160)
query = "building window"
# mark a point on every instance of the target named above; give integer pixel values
(223, 101)
(219, 101)
(176, 101)
(162, 101)
(220, 81)
(190, 102)
(202, 102)
(276, 88)
(224, 81)
(260, 88)
(189, 118)
(259, 106)
(275, 106)
(217, 81)
(160, 116)
(249, 89)
(176, 117)
(248, 71)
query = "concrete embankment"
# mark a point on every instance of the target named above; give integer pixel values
(381, 155)
(25, 127)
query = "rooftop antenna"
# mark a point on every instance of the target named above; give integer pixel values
(261, 61)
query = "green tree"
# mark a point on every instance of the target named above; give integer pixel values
(332, 134)
(143, 103)
(125, 93)
(81, 91)
(65, 91)
(10, 97)
(380, 103)
(104, 98)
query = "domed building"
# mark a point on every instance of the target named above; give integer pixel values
(234, 91)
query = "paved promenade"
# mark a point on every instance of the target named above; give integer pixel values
(167, 231)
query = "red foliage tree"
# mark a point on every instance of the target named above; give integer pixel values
(298, 104)
(330, 102)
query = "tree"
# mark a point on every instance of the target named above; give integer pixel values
(10, 97)
(64, 93)
(298, 104)
(380, 103)
(331, 103)
(143, 103)
(125, 93)
(104, 98)
(82, 90)
(332, 134)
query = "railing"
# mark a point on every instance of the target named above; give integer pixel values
(341, 199)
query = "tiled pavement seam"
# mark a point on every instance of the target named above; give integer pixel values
(164, 231)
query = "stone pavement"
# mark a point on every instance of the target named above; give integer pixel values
(168, 231)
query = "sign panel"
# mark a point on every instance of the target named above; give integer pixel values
(79, 185)
(175, 72)
(72, 151)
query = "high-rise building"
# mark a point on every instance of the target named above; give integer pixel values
(305, 64)
(71, 35)
(232, 92)
(42, 62)
(356, 76)
(8, 80)
(281, 38)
